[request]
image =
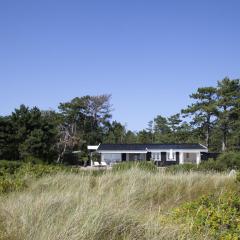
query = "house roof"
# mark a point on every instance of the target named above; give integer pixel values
(142, 147)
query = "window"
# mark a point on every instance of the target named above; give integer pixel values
(171, 158)
(187, 155)
(111, 157)
(156, 156)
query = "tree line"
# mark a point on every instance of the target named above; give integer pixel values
(213, 119)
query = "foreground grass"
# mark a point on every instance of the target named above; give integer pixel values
(131, 204)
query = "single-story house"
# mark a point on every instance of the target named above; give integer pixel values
(161, 154)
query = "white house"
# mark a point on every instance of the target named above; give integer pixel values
(162, 154)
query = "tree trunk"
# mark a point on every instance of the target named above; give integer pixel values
(207, 137)
(224, 140)
(60, 156)
(224, 129)
(207, 140)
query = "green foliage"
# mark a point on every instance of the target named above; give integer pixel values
(9, 167)
(161, 125)
(89, 117)
(144, 137)
(210, 165)
(116, 133)
(213, 118)
(230, 160)
(27, 132)
(181, 168)
(238, 177)
(143, 165)
(228, 111)
(225, 162)
(14, 175)
(38, 170)
(9, 184)
(114, 205)
(203, 111)
(219, 216)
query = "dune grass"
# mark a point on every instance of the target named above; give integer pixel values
(132, 204)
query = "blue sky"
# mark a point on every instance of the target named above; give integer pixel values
(150, 55)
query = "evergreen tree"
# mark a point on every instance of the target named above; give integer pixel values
(116, 133)
(228, 92)
(8, 145)
(161, 125)
(203, 111)
(34, 134)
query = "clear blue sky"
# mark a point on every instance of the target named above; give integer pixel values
(150, 55)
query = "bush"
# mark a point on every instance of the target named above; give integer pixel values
(210, 165)
(143, 165)
(38, 170)
(13, 175)
(225, 162)
(229, 160)
(238, 177)
(219, 216)
(9, 167)
(9, 184)
(33, 160)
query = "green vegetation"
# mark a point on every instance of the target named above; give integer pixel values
(213, 119)
(15, 176)
(224, 163)
(143, 165)
(40, 198)
(216, 214)
(131, 204)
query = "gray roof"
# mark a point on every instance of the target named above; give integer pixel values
(155, 146)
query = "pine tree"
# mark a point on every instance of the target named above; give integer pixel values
(228, 92)
(203, 111)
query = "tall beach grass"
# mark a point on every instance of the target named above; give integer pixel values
(115, 205)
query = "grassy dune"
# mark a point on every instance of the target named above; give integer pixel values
(130, 204)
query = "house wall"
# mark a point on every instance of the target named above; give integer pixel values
(180, 157)
(111, 157)
(190, 157)
(165, 162)
(136, 156)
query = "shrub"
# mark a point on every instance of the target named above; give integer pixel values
(219, 216)
(9, 184)
(9, 167)
(212, 165)
(238, 177)
(225, 162)
(13, 175)
(229, 160)
(33, 160)
(143, 165)
(38, 170)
